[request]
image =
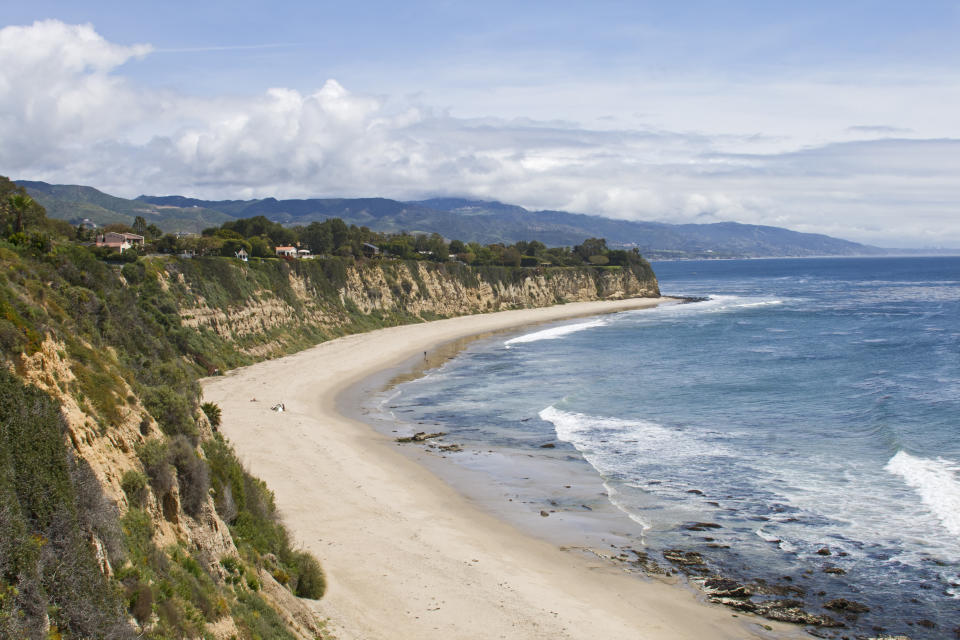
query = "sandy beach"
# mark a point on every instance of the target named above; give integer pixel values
(406, 556)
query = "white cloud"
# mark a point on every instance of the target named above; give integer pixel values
(70, 115)
(57, 90)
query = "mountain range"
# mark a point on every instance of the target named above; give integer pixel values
(468, 220)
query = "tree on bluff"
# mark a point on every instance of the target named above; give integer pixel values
(591, 247)
(21, 214)
(20, 202)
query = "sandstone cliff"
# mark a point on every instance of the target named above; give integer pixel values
(189, 545)
(272, 317)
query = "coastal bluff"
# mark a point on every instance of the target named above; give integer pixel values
(277, 307)
(101, 362)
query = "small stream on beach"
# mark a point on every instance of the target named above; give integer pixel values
(797, 432)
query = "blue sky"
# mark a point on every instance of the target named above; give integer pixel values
(817, 116)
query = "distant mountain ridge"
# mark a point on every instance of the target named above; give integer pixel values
(75, 202)
(464, 219)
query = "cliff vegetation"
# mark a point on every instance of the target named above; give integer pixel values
(123, 512)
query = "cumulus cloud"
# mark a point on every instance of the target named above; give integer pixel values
(57, 90)
(70, 115)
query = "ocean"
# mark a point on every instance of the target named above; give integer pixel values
(799, 429)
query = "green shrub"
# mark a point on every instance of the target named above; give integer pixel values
(23, 336)
(226, 477)
(46, 563)
(257, 619)
(140, 602)
(138, 535)
(192, 475)
(134, 485)
(194, 585)
(311, 583)
(280, 575)
(172, 410)
(255, 523)
(162, 458)
(12, 340)
(154, 454)
(97, 385)
(231, 564)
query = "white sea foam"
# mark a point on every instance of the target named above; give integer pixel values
(617, 447)
(557, 332)
(612, 494)
(718, 304)
(387, 398)
(783, 545)
(610, 438)
(767, 537)
(936, 481)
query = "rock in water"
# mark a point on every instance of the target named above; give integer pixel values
(725, 588)
(842, 604)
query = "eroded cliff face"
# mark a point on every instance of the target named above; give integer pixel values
(437, 291)
(219, 313)
(110, 450)
(402, 292)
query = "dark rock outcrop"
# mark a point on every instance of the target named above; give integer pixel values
(848, 606)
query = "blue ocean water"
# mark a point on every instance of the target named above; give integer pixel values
(807, 404)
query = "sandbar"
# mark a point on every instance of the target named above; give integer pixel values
(406, 556)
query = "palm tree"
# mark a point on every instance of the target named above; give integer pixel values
(20, 202)
(213, 413)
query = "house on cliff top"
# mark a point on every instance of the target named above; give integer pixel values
(121, 241)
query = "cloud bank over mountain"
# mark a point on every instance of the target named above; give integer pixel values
(72, 112)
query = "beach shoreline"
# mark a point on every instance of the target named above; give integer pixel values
(406, 555)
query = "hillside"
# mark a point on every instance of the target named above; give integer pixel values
(123, 511)
(73, 203)
(656, 240)
(454, 218)
(488, 222)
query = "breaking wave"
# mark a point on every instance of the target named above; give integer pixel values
(556, 332)
(937, 482)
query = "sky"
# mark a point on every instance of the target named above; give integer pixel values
(828, 117)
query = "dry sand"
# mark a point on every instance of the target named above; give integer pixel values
(406, 556)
